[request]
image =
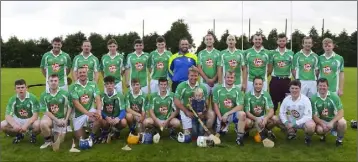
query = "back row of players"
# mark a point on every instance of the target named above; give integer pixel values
(234, 70)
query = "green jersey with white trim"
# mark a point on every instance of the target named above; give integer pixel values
(136, 102)
(57, 103)
(281, 63)
(208, 60)
(56, 64)
(330, 68)
(138, 65)
(159, 63)
(227, 99)
(85, 94)
(163, 106)
(23, 109)
(112, 66)
(257, 62)
(90, 62)
(258, 106)
(327, 108)
(112, 105)
(232, 61)
(185, 92)
(305, 66)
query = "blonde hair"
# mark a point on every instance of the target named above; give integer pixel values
(327, 41)
(198, 91)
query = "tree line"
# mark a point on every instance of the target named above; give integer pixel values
(28, 53)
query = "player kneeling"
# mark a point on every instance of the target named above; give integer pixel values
(328, 113)
(259, 110)
(162, 110)
(54, 102)
(113, 112)
(296, 113)
(21, 114)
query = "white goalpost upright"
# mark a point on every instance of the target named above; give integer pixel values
(291, 23)
(242, 25)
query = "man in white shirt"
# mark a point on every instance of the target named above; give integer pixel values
(296, 113)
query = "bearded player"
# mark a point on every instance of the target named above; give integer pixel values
(86, 99)
(162, 110)
(55, 105)
(257, 60)
(305, 68)
(296, 113)
(88, 60)
(259, 110)
(135, 107)
(113, 111)
(112, 64)
(228, 106)
(137, 66)
(331, 67)
(21, 114)
(328, 113)
(158, 62)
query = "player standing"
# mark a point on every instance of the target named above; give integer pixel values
(305, 64)
(88, 60)
(137, 66)
(232, 59)
(21, 114)
(328, 112)
(55, 105)
(281, 60)
(158, 62)
(331, 67)
(257, 60)
(112, 64)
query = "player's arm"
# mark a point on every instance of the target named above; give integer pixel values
(174, 114)
(239, 104)
(79, 107)
(307, 114)
(96, 69)
(98, 100)
(247, 108)
(216, 101)
(269, 107)
(339, 106)
(152, 115)
(177, 99)
(244, 77)
(69, 64)
(69, 112)
(341, 77)
(127, 70)
(315, 115)
(270, 64)
(43, 66)
(283, 111)
(74, 69)
(294, 65)
(9, 112)
(317, 66)
(35, 111)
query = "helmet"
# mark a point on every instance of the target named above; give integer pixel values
(85, 143)
(204, 141)
(257, 137)
(132, 139)
(184, 138)
(146, 138)
(156, 138)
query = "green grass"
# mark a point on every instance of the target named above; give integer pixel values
(168, 150)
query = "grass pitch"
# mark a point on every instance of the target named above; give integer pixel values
(169, 150)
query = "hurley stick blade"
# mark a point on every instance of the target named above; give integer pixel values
(73, 149)
(268, 143)
(215, 139)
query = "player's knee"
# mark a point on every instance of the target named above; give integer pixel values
(123, 123)
(241, 115)
(310, 126)
(148, 122)
(249, 123)
(36, 126)
(275, 119)
(342, 124)
(319, 130)
(175, 123)
(129, 117)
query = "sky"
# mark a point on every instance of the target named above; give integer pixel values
(48, 19)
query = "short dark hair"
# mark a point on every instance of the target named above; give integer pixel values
(295, 82)
(109, 79)
(20, 82)
(322, 80)
(257, 34)
(162, 80)
(282, 35)
(53, 76)
(112, 41)
(257, 77)
(81, 67)
(210, 33)
(160, 39)
(135, 80)
(138, 41)
(183, 39)
(306, 37)
(56, 39)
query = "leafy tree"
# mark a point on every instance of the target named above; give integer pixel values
(272, 39)
(150, 42)
(222, 43)
(297, 37)
(99, 46)
(73, 42)
(178, 30)
(316, 40)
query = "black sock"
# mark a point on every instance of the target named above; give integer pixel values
(68, 123)
(48, 138)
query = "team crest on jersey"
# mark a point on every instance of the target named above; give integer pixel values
(257, 110)
(84, 99)
(258, 62)
(163, 110)
(327, 70)
(233, 63)
(109, 108)
(55, 67)
(281, 64)
(209, 62)
(112, 68)
(324, 112)
(228, 103)
(295, 113)
(160, 65)
(307, 67)
(139, 66)
(54, 108)
(135, 107)
(23, 113)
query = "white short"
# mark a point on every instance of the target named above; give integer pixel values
(65, 87)
(209, 89)
(233, 118)
(19, 121)
(185, 121)
(250, 86)
(308, 87)
(119, 87)
(154, 86)
(56, 128)
(81, 121)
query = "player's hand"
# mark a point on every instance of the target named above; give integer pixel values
(263, 123)
(116, 121)
(24, 128)
(340, 92)
(165, 123)
(243, 87)
(17, 127)
(189, 114)
(109, 120)
(98, 115)
(141, 119)
(60, 122)
(91, 116)
(220, 118)
(330, 125)
(224, 118)
(324, 127)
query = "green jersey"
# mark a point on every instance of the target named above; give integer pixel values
(208, 60)
(185, 92)
(112, 66)
(232, 61)
(281, 63)
(112, 105)
(159, 63)
(305, 66)
(23, 109)
(227, 99)
(326, 108)
(258, 106)
(85, 94)
(57, 103)
(162, 106)
(330, 68)
(56, 64)
(257, 62)
(138, 65)
(90, 62)
(136, 102)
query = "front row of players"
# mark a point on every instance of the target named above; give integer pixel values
(322, 114)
